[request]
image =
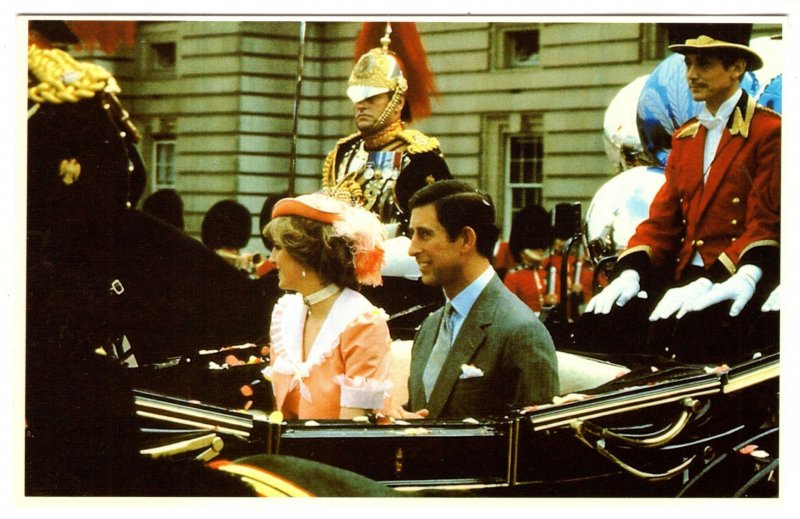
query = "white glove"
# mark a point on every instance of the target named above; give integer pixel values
(677, 298)
(619, 291)
(773, 302)
(739, 288)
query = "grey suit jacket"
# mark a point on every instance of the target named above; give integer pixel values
(500, 336)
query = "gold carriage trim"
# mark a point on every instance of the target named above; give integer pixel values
(727, 262)
(264, 482)
(689, 131)
(638, 248)
(63, 79)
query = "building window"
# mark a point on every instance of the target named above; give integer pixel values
(523, 184)
(164, 163)
(162, 57)
(522, 48)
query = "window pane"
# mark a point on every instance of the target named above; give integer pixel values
(514, 171)
(524, 176)
(163, 56)
(164, 163)
(522, 48)
(528, 172)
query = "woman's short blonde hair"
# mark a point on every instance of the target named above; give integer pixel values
(314, 245)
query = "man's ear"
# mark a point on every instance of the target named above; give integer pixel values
(470, 237)
(739, 67)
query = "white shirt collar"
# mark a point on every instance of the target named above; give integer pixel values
(723, 113)
(463, 301)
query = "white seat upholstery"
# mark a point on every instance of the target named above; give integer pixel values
(575, 372)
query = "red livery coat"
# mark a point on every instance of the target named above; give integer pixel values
(736, 211)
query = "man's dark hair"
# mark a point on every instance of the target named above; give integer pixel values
(460, 205)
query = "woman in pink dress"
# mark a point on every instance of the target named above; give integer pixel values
(329, 346)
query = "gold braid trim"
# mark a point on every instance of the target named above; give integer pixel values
(418, 142)
(741, 125)
(768, 110)
(760, 243)
(727, 263)
(384, 137)
(328, 173)
(63, 79)
(637, 248)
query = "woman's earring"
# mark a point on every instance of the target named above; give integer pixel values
(303, 273)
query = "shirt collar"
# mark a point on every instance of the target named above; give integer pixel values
(725, 110)
(463, 302)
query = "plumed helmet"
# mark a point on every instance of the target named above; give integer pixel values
(376, 72)
(402, 70)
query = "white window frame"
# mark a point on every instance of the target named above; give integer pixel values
(158, 183)
(509, 187)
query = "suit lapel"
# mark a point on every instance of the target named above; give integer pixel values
(423, 344)
(470, 337)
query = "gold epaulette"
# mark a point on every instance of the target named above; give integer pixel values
(418, 142)
(63, 79)
(688, 131)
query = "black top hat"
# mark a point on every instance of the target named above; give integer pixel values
(698, 37)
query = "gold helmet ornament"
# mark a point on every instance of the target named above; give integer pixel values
(404, 72)
(377, 72)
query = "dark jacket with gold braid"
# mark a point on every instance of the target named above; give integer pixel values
(731, 220)
(383, 172)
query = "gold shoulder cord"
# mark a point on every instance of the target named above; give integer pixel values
(63, 79)
(418, 142)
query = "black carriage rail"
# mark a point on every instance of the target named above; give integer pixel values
(466, 454)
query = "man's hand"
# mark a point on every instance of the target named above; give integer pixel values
(618, 292)
(738, 288)
(678, 299)
(773, 302)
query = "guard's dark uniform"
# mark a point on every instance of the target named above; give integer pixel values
(383, 179)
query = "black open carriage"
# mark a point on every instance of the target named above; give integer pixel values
(101, 272)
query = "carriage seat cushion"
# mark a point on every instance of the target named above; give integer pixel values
(575, 372)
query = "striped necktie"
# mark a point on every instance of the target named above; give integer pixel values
(440, 350)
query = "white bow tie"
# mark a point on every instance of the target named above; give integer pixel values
(710, 122)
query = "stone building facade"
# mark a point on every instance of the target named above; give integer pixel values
(236, 109)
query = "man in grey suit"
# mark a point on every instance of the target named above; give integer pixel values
(485, 351)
